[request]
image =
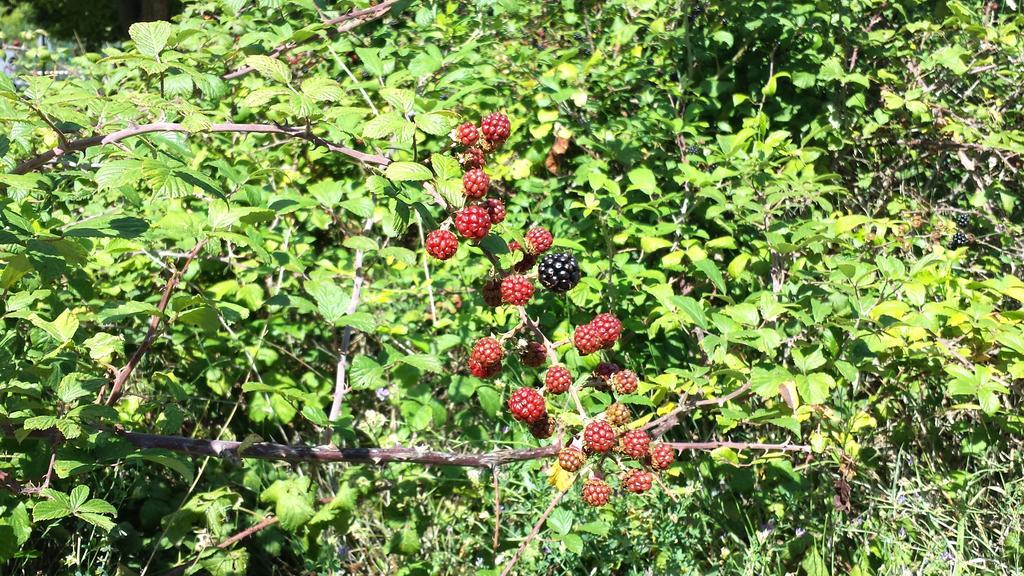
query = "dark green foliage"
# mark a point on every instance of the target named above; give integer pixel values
(765, 193)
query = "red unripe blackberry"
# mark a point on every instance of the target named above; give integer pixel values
(495, 128)
(495, 210)
(605, 370)
(473, 222)
(516, 289)
(609, 327)
(526, 404)
(635, 444)
(662, 456)
(596, 492)
(637, 481)
(533, 355)
(442, 244)
(492, 292)
(624, 381)
(472, 158)
(587, 339)
(543, 427)
(557, 380)
(466, 134)
(538, 240)
(475, 183)
(598, 436)
(571, 459)
(514, 246)
(487, 351)
(618, 414)
(480, 370)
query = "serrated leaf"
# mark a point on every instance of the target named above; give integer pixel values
(79, 494)
(322, 89)
(384, 125)
(101, 522)
(712, 272)
(446, 167)
(150, 37)
(560, 521)
(330, 299)
(117, 173)
(270, 68)
(40, 422)
(362, 321)
(401, 100)
(406, 171)
(435, 124)
(364, 243)
(260, 96)
(50, 510)
(425, 362)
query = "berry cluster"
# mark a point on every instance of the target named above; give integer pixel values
(607, 437)
(600, 333)
(960, 237)
(473, 222)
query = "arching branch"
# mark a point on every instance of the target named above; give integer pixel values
(299, 132)
(329, 454)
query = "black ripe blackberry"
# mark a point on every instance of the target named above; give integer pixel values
(559, 272)
(962, 221)
(693, 150)
(959, 239)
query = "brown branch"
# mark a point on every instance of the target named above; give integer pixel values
(300, 132)
(328, 454)
(497, 509)
(344, 23)
(341, 369)
(533, 533)
(154, 323)
(666, 422)
(784, 447)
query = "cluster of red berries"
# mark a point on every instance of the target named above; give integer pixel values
(600, 333)
(609, 433)
(473, 221)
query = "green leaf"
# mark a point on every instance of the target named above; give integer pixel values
(40, 422)
(402, 100)
(712, 272)
(435, 124)
(58, 506)
(79, 495)
(490, 400)
(103, 346)
(560, 521)
(598, 527)
(446, 167)
(573, 543)
(17, 266)
(643, 179)
(322, 89)
(293, 503)
(403, 171)
(150, 37)
(425, 362)
(330, 299)
(364, 243)
(101, 522)
(270, 68)
(362, 321)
